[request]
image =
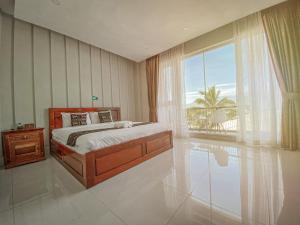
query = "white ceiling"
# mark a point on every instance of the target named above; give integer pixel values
(135, 29)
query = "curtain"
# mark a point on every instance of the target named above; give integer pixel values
(282, 25)
(258, 93)
(152, 73)
(171, 104)
(261, 182)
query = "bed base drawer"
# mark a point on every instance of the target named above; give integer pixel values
(111, 161)
(158, 144)
(73, 163)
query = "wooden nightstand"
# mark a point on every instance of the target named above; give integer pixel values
(23, 146)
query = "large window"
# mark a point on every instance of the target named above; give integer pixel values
(210, 83)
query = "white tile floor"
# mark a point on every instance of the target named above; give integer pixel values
(198, 182)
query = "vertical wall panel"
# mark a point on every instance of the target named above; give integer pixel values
(6, 77)
(131, 102)
(1, 94)
(123, 88)
(72, 63)
(42, 77)
(115, 85)
(0, 27)
(137, 99)
(58, 68)
(96, 76)
(23, 73)
(85, 75)
(144, 93)
(106, 79)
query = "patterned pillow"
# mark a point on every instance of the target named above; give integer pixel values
(105, 116)
(66, 119)
(78, 119)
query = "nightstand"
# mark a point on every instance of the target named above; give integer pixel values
(23, 146)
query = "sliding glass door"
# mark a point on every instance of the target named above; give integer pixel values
(210, 85)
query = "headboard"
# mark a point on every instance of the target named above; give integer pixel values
(55, 118)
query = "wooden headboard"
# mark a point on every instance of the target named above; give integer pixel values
(55, 118)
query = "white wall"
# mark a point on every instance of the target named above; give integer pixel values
(41, 69)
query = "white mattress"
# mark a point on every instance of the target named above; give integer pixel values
(97, 140)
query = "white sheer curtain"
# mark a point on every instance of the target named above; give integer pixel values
(262, 190)
(171, 104)
(258, 93)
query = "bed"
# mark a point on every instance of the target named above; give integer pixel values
(94, 165)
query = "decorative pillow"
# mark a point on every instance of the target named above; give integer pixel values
(66, 119)
(78, 119)
(105, 116)
(94, 117)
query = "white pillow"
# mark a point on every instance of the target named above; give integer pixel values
(94, 117)
(66, 119)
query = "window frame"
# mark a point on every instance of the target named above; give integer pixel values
(202, 52)
(206, 49)
(211, 47)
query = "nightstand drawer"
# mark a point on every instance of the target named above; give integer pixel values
(23, 137)
(21, 149)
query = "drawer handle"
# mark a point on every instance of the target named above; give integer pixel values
(25, 137)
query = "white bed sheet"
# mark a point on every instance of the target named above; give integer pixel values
(97, 140)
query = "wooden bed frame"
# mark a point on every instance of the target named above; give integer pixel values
(98, 165)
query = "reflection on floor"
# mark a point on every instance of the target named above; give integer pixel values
(198, 182)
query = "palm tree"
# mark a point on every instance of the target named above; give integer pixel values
(211, 99)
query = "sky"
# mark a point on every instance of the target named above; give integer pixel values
(220, 70)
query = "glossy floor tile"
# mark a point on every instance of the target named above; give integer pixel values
(197, 182)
